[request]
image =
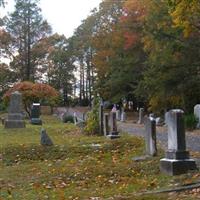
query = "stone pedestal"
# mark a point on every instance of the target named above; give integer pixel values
(15, 117)
(150, 138)
(177, 159)
(35, 114)
(114, 134)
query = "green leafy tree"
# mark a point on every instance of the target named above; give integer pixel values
(61, 66)
(172, 78)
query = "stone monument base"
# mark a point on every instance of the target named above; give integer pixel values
(177, 167)
(36, 121)
(14, 124)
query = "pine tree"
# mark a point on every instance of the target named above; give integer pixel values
(27, 27)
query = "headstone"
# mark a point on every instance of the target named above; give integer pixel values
(166, 118)
(177, 159)
(123, 117)
(101, 119)
(45, 139)
(35, 114)
(197, 114)
(159, 121)
(114, 134)
(106, 124)
(118, 115)
(150, 127)
(141, 116)
(75, 118)
(15, 117)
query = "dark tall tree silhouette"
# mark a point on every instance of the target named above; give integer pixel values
(27, 28)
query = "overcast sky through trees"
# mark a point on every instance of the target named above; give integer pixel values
(63, 15)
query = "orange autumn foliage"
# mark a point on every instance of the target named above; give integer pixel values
(33, 92)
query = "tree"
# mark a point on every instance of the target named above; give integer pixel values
(31, 93)
(171, 79)
(61, 66)
(27, 27)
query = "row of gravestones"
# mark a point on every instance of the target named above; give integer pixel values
(177, 159)
(15, 117)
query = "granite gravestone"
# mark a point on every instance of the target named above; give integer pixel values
(106, 124)
(101, 118)
(197, 114)
(15, 116)
(123, 117)
(75, 118)
(35, 114)
(177, 159)
(118, 115)
(141, 116)
(166, 118)
(114, 134)
(150, 138)
(45, 139)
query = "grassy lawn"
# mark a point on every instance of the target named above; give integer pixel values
(77, 166)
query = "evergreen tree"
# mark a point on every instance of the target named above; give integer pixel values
(27, 27)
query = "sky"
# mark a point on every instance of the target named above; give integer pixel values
(63, 15)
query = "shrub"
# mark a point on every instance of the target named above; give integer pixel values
(92, 122)
(190, 121)
(33, 92)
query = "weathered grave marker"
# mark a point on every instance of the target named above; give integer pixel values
(150, 138)
(75, 118)
(118, 115)
(114, 134)
(15, 117)
(177, 159)
(35, 114)
(45, 139)
(141, 116)
(123, 116)
(101, 118)
(106, 124)
(197, 114)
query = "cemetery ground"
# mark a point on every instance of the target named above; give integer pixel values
(81, 167)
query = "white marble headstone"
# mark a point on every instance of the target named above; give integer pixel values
(197, 114)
